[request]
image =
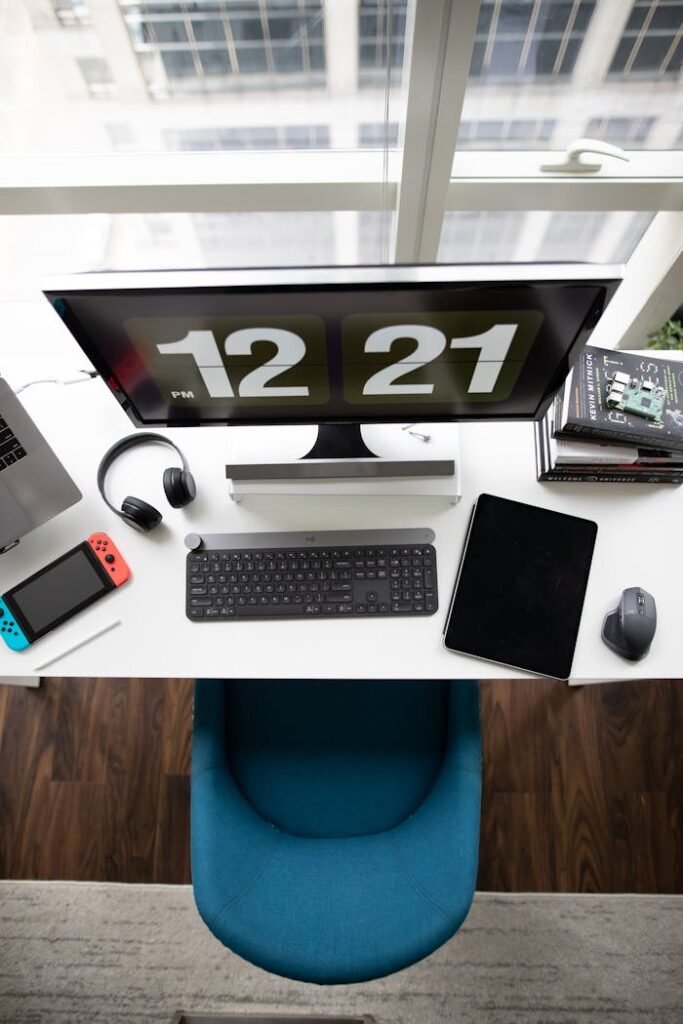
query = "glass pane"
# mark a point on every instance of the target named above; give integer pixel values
(374, 231)
(576, 65)
(283, 28)
(514, 236)
(651, 54)
(188, 240)
(251, 59)
(178, 63)
(288, 58)
(168, 31)
(246, 29)
(142, 76)
(214, 62)
(208, 31)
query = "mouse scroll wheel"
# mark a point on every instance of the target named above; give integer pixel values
(641, 600)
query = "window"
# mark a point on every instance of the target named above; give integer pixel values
(71, 12)
(489, 237)
(98, 76)
(651, 45)
(341, 131)
(250, 137)
(529, 38)
(214, 45)
(266, 239)
(378, 135)
(629, 132)
(518, 134)
(381, 32)
(535, 61)
(538, 236)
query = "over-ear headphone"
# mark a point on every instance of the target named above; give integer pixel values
(179, 485)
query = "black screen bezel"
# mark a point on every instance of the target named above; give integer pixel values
(31, 634)
(605, 287)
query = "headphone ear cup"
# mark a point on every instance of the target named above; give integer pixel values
(139, 514)
(179, 487)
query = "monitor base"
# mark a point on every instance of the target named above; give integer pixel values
(400, 460)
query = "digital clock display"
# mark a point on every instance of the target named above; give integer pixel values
(333, 354)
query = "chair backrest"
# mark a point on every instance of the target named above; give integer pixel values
(327, 758)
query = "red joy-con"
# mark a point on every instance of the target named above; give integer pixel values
(110, 557)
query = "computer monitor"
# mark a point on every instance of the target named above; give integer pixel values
(341, 346)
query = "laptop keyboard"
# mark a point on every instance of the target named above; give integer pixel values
(11, 449)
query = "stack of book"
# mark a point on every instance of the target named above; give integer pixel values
(619, 418)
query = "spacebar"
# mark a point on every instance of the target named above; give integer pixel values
(262, 611)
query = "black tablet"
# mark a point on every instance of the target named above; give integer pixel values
(520, 587)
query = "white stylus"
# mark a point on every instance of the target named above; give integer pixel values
(81, 643)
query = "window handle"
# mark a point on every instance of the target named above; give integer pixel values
(573, 164)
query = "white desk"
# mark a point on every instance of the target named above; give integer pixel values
(638, 543)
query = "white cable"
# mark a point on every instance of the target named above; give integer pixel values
(89, 375)
(416, 433)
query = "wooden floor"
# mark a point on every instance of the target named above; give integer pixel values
(583, 789)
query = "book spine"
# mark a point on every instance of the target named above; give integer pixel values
(554, 476)
(572, 431)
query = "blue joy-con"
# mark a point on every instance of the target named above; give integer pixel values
(10, 632)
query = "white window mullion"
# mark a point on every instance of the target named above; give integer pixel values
(442, 42)
(194, 183)
(651, 289)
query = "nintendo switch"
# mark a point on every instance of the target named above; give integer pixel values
(60, 590)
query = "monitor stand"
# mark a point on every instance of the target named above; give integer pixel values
(377, 457)
(340, 441)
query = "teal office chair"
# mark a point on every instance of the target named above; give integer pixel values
(335, 824)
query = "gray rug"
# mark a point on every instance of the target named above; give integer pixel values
(79, 952)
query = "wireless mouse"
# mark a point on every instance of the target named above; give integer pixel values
(629, 629)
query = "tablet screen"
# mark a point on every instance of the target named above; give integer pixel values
(520, 589)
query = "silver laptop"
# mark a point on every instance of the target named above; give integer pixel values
(34, 486)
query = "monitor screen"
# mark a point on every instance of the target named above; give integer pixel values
(345, 344)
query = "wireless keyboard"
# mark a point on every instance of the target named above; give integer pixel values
(305, 575)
